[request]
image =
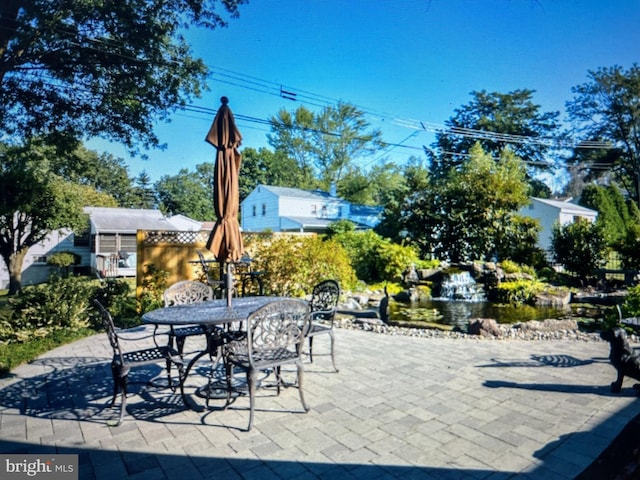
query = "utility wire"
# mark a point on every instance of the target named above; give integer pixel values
(240, 80)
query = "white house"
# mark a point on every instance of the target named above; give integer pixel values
(549, 212)
(283, 209)
(107, 247)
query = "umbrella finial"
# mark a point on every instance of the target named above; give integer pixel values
(224, 100)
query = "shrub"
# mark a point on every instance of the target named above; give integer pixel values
(293, 265)
(116, 296)
(63, 260)
(62, 303)
(580, 246)
(631, 305)
(375, 258)
(509, 266)
(153, 283)
(519, 292)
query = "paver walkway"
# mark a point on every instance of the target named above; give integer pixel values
(400, 407)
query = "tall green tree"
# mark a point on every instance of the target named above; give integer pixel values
(34, 201)
(607, 109)
(186, 194)
(267, 167)
(102, 171)
(143, 191)
(71, 69)
(398, 198)
(615, 214)
(497, 120)
(467, 216)
(327, 143)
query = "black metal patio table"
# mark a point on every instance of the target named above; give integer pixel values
(214, 317)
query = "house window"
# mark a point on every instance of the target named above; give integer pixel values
(314, 209)
(253, 209)
(339, 212)
(324, 211)
(39, 259)
(264, 209)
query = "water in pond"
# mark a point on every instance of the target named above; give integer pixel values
(457, 313)
(459, 299)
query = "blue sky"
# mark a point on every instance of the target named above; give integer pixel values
(401, 61)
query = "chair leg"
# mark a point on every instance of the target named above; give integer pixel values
(311, 349)
(115, 372)
(227, 371)
(180, 344)
(300, 376)
(123, 393)
(251, 381)
(333, 357)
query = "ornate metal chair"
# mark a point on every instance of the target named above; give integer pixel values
(323, 304)
(123, 361)
(181, 293)
(273, 338)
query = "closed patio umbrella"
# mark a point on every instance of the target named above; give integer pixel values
(225, 241)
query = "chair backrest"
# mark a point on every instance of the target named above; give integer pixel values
(187, 291)
(324, 299)
(279, 325)
(107, 322)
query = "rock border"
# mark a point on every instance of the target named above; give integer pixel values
(548, 332)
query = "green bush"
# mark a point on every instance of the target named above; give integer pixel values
(293, 265)
(580, 246)
(631, 305)
(519, 292)
(116, 296)
(509, 266)
(153, 283)
(375, 258)
(37, 311)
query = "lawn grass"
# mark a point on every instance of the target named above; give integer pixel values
(14, 354)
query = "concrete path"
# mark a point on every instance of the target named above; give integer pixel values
(400, 407)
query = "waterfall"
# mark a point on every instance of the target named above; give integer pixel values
(460, 286)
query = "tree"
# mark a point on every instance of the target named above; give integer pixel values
(186, 194)
(615, 214)
(496, 120)
(468, 215)
(399, 198)
(103, 172)
(606, 109)
(71, 69)
(270, 168)
(34, 202)
(143, 191)
(579, 246)
(327, 143)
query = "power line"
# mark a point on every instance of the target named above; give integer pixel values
(267, 87)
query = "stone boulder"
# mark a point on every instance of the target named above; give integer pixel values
(548, 325)
(485, 327)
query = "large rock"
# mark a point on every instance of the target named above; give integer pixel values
(485, 327)
(554, 298)
(549, 325)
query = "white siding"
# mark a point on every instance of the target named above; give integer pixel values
(260, 211)
(548, 212)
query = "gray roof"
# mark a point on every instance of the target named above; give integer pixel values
(127, 220)
(567, 206)
(299, 193)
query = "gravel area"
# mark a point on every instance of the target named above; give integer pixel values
(533, 330)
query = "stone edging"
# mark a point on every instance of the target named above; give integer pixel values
(508, 332)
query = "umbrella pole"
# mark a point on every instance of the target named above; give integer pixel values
(229, 283)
